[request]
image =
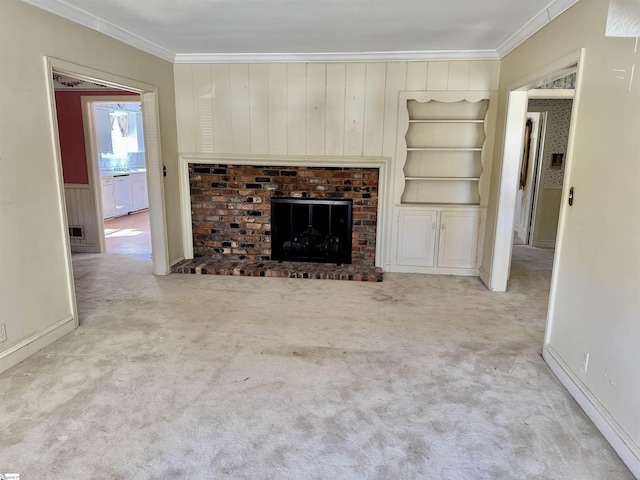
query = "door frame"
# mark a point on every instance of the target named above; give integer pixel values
(516, 109)
(91, 148)
(153, 152)
(546, 95)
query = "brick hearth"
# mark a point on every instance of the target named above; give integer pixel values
(272, 268)
(231, 218)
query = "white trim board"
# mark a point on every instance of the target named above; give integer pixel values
(30, 345)
(77, 15)
(551, 93)
(381, 163)
(328, 57)
(544, 17)
(612, 432)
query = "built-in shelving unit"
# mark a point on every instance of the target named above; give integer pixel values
(442, 180)
(444, 143)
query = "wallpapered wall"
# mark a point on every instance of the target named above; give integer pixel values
(557, 135)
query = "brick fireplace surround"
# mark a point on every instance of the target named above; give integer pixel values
(231, 210)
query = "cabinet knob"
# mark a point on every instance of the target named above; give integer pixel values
(433, 225)
(443, 226)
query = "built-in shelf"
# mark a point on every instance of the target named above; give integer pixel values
(444, 139)
(444, 149)
(444, 179)
(434, 204)
(445, 121)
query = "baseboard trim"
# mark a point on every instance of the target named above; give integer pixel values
(620, 441)
(460, 272)
(27, 347)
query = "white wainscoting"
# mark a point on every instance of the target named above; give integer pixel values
(317, 109)
(81, 213)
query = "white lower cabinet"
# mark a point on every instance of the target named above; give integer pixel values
(124, 194)
(438, 240)
(417, 229)
(108, 197)
(139, 196)
(458, 239)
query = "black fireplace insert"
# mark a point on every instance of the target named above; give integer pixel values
(311, 230)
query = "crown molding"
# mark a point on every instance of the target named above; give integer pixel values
(76, 15)
(336, 56)
(546, 15)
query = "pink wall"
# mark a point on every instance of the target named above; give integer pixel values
(71, 133)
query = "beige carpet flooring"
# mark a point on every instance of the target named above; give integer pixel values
(208, 377)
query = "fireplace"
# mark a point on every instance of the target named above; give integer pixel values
(311, 230)
(326, 216)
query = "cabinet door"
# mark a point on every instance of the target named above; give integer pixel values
(108, 201)
(138, 192)
(416, 237)
(458, 239)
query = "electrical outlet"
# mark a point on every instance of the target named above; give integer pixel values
(3, 333)
(585, 361)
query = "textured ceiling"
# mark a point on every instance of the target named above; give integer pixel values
(311, 26)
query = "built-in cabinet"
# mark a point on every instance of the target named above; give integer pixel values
(139, 196)
(438, 238)
(124, 194)
(108, 197)
(458, 238)
(441, 182)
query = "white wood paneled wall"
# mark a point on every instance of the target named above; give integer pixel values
(81, 213)
(326, 109)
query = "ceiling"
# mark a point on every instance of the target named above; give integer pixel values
(323, 30)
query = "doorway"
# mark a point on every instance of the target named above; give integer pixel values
(90, 191)
(556, 107)
(116, 150)
(517, 105)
